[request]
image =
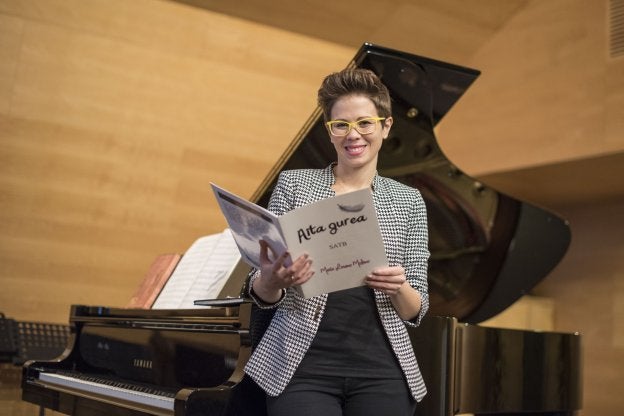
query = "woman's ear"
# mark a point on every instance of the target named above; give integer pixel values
(387, 123)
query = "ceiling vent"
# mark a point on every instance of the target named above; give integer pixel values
(616, 28)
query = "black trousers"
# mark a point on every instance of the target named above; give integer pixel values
(343, 396)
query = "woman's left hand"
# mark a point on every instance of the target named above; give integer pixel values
(392, 282)
(389, 280)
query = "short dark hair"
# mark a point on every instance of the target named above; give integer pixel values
(354, 81)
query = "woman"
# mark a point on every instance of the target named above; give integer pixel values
(347, 352)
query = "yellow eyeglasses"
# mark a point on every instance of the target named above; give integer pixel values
(363, 126)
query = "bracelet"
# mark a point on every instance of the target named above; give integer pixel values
(255, 296)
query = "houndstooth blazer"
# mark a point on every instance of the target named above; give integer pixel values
(402, 218)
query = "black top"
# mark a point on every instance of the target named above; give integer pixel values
(350, 341)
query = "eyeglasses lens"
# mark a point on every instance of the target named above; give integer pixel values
(364, 126)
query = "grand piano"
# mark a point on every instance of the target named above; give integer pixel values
(487, 250)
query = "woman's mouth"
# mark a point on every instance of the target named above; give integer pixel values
(354, 150)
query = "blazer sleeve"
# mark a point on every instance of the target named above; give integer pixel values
(416, 255)
(279, 203)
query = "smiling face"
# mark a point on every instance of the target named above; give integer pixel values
(357, 150)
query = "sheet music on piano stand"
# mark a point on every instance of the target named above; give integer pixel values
(201, 273)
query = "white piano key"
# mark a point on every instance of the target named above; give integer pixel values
(108, 391)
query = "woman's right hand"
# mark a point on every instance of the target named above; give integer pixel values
(275, 276)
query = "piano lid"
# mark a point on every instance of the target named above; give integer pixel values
(487, 249)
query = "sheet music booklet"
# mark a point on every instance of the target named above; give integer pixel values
(210, 269)
(341, 234)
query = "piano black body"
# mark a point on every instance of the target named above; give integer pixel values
(487, 250)
(137, 362)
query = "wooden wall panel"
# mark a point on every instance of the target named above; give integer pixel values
(614, 102)
(10, 43)
(115, 116)
(548, 92)
(446, 29)
(527, 313)
(588, 294)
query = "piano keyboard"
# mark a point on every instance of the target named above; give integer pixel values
(111, 390)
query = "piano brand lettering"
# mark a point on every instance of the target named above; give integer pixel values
(307, 233)
(141, 363)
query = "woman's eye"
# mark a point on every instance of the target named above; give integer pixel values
(341, 126)
(365, 123)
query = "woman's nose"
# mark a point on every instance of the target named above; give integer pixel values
(353, 134)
